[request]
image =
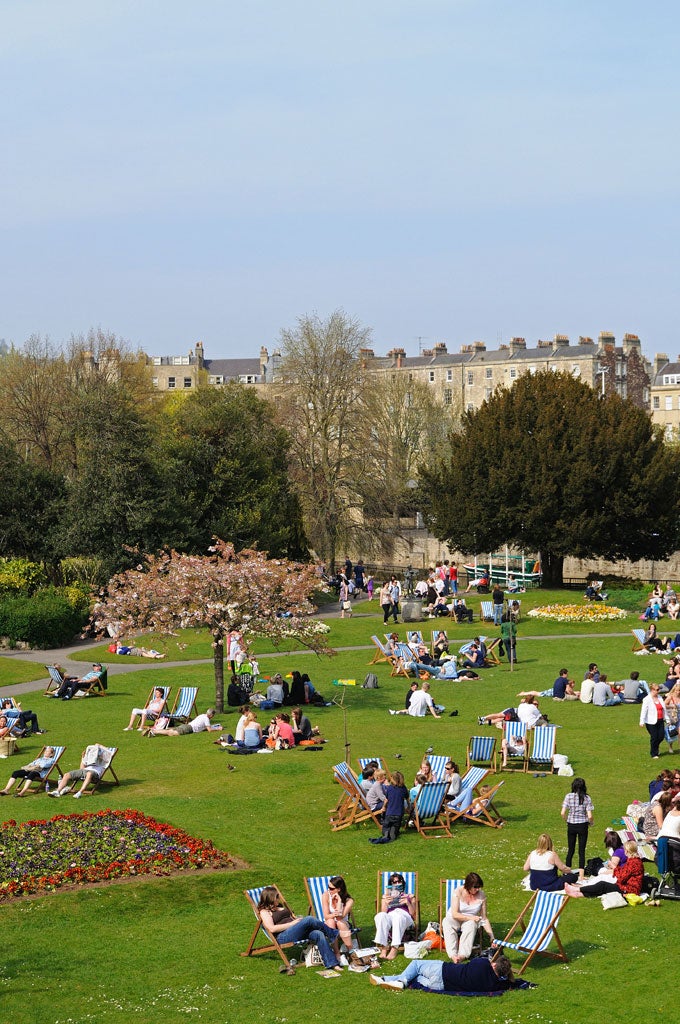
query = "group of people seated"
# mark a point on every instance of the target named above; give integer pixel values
(662, 602)
(285, 731)
(94, 761)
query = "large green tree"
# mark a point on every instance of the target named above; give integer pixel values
(551, 467)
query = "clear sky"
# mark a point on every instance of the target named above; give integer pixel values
(449, 170)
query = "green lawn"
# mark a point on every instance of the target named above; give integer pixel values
(168, 949)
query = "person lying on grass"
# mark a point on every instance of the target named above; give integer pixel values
(478, 975)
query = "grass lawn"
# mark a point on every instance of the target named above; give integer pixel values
(167, 949)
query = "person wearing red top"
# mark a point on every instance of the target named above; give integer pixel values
(628, 877)
(283, 730)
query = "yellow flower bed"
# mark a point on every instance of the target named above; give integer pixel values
(596, 612)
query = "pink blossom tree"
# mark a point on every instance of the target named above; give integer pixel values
(222, 591)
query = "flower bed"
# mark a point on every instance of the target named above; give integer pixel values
(73, 849)
(597, 612)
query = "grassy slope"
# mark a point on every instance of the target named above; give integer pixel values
(186, 932)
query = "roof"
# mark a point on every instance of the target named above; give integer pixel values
(233, 368)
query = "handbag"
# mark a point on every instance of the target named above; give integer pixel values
(313, 956)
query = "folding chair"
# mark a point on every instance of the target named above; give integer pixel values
(363, 761)
(447, 887)
(55, 681)
(316, 887)
(164, 709)
(481, 748)
(403, 657)
(353, 807)
(481, 810)
(16, 730)
(410, 887)
(272, 944)
(100, 685)
(486, 611)
(491, 657)
(516, 731)
(433, 637)
(546, 908)
(382, 652)
(414, 636)
(638, 639)
(110, 754)
(184, 707)
(438, 764)
(429, 815)
(543, 740)
(46, 772)
(473, 778)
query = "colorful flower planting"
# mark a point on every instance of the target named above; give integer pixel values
(74, 849)
(577, 612)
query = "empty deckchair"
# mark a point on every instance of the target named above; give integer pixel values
(352, 808)
(410, 887)
(46, 772)
(56, 679)
(546, 908)
(404, 656)
(447, 887)
(339, 770)
(543, 741)
(184, 707)
(429, 816)
(271, 943)
(481, 749)
(382, 652)
(515, 731)
(316, 887)
(491, 657)
(638, 639)
(486, 611)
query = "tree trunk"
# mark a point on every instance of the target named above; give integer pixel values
(218, 662)
(552, 566)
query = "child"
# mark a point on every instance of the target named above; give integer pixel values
(396, 800)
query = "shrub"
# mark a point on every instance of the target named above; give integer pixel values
(85, 569)
(19, 576)
(47, 619)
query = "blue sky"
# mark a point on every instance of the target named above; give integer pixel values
(449, 170)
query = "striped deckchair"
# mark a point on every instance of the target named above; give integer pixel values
(410, 887)
(316, 887)
(352, 808)
(546, 908)
(429, 815)
(543, 741)
(272, 945)
(184, 707)
(447, 887)
(46, 772)
(516, 731)
(481, 748)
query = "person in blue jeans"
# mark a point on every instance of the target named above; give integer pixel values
(279, 920)
(478, 975)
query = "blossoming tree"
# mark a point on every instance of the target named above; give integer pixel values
(222, 591)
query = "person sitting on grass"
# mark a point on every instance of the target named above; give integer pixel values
(626, 878)
(72, 684)
(561, 689)
(478, 975)
(148, 714)
(32, 772)
(94, 762)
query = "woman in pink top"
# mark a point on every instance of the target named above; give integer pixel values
(283, 730)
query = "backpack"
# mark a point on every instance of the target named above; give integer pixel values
(370, 682)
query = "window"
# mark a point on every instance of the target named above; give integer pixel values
(187, 382)
(488, 373)
(156, 360)
(470, 378)
(488, 392)
(448, 396)
(217, 379)
(532, 370)
(576, 370)
(669, 402)
(171, 382)
(655, 401)
(670, 378)
(470, 407)
(513, 373)
(154, 381)
(668, 430)
(449, 375)
(431, 376)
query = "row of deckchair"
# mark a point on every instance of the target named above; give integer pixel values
(53, 766)
(403, 656)
(184, 706)
(541, 752)
(538, 932)
(432, 816)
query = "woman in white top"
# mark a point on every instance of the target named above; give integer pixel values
(543, 865)
(466, 915)
(652, 718)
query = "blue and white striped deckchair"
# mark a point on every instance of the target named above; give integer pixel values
(55, 680)
(546, 908)
(12, 715)
(352, 808)
(428, 811)
(543, 741)
(363, 761)
(638, 639)
(53, 763)
(316, 887)
(382, 651)
(403, 657)
(414, 636)
(272, 944)
(437, 763)
(481, 748)
(516, 731)
(473, 778)
(486, 611)
(447, 887)
(109, 754)
(410, 887)
(184, 707)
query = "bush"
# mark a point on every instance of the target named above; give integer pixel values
(19, 576)
(47, 619)
(85, 569)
